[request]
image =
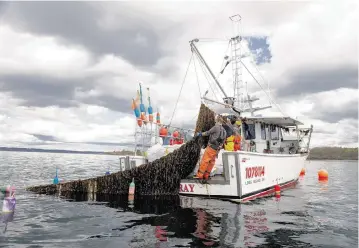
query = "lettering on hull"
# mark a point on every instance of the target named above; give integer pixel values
(255, 174)
(186, 187)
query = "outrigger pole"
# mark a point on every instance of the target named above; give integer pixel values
(236, 55)
(195, 50)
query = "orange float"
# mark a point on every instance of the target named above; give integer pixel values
(158, 118)
(322, 175)
(163, 132)
(277, 190)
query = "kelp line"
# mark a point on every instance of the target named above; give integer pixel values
(160, 177)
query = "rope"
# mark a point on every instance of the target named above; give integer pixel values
(204, 72)
(279, 108)
(263, 89)
(184, 79)
(224, 60)
(195, 69)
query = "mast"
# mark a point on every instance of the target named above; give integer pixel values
(238, 85)
(242, 98)
(239, 102)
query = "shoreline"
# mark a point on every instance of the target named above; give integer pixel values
(317, 153)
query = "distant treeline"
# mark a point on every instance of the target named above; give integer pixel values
(333, 153)
(123, 153)
(317, 153)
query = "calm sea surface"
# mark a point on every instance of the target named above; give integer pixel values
(311, 215)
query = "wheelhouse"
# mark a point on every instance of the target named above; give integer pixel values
(278, 135)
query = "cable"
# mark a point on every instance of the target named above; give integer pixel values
(219, 73)
(262, 88)
(195, 69)
(205, 75)
(184, 79)
(255, 66)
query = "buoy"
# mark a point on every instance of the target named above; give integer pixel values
(108, 171)
(139, 122)
(302, 172)
(131, 190)
(56, 179)
(175, 134)
(277, 191)
(158, 118)
(131, 200)
(322, 175)
(163, 132)
(131, 194)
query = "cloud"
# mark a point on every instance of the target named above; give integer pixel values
(331, 106)
(41, 91)
(312, 80)
(84, 24)
(45, 137)
(68, 70)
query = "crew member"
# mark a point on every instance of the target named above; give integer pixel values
(217, 135)
(229, 144)
(237, 137)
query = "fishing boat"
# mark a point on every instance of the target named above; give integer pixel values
(273, 150)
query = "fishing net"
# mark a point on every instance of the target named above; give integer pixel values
(205, 121)
(159, 177)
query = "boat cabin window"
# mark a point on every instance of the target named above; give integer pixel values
(274, 134)
(263, 131)
(249, 132)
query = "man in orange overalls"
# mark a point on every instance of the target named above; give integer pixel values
(217, 136)
(237, 138)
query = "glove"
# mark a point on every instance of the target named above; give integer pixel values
(199, 134)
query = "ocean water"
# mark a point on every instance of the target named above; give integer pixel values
(313, 214)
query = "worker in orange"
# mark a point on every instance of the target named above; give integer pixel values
(217, 136)
(237, 137)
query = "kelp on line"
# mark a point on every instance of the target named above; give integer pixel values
(160, 177)
(205, 121)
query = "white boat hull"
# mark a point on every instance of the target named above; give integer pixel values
(248, 175)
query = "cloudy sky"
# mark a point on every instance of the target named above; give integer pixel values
(68, 70)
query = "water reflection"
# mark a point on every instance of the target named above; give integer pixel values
(323, 185)
(8, 207)
(197, 222)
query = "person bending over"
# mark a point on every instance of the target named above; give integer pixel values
(217, 136)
